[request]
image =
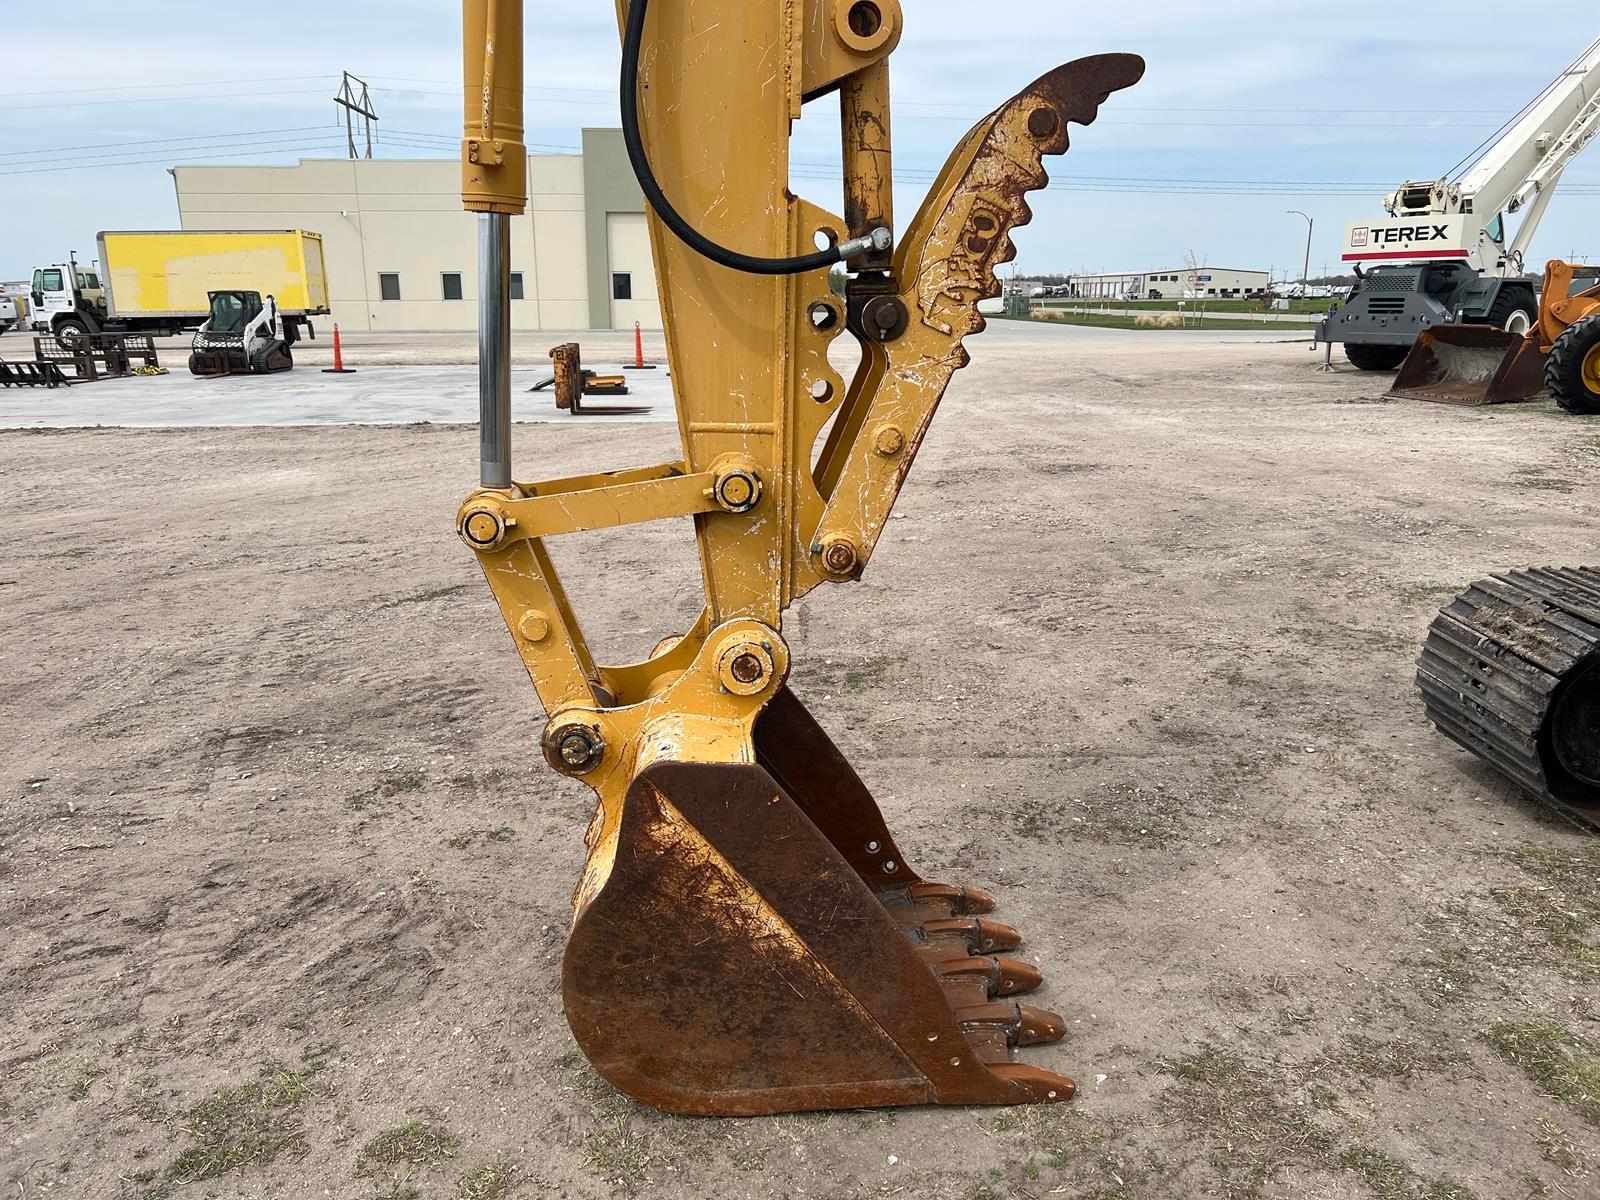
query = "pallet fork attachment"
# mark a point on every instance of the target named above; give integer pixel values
(747, 936)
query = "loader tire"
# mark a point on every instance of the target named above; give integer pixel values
(1512, 312)
(196, 367)
(1572, 372)
(1370, 356)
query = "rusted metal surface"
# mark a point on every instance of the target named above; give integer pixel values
(1511, 672)
(1470, 365)
(91, 355)
(712, 976)
(572, 383)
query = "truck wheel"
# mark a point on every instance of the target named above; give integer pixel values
(1512, 311)
(1370, 356)
(69, 329)
(1572, 372)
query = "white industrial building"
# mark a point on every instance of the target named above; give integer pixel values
(1171, 283)
(402, 253)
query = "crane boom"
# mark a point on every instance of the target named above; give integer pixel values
(1517, 173)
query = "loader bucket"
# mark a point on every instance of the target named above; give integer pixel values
(1472, 365)
(710, 976)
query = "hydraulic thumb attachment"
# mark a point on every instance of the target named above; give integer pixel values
(747, 936)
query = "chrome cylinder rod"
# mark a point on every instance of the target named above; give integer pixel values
(494, 349)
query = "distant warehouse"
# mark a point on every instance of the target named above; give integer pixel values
(402, 254)
(1173, 283)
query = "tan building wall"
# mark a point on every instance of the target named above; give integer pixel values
(404, 218)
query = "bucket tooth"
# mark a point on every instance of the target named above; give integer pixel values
(1043, 1087)
(980, 936)
(1003, 976)
(962, 900)
(1024, 1025)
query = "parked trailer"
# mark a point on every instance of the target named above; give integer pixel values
(160, 282)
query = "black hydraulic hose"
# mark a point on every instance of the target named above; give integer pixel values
(632, 44)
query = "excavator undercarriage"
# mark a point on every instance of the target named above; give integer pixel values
(1511, 672)
(747, 937)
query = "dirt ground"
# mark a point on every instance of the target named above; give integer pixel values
(284, 880)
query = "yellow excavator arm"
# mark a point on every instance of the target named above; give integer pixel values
(747, 937)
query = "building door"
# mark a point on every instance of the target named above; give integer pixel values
(632, 276)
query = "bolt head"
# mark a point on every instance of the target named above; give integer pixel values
(888, 441)
(839, 557)
(574, 749)
(534, 626)
(738, 490)
(745, 668)
(481, 528)
(1043, 122)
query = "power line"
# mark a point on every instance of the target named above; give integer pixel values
(165, 99)
(199, 137)
(139, 87)
(98, 166)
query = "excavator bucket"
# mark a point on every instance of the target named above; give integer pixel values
(1470, 365)
(748, 937)
(760, 946)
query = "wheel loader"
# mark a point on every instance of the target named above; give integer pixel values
(243, 336)
(748, 937)
(1485, 364)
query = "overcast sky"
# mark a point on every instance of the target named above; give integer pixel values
(1294, 100)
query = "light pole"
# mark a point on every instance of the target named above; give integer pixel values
(1305, 274)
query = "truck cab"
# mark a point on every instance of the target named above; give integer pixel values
(67, 300)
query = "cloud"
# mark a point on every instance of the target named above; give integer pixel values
(1354, 94)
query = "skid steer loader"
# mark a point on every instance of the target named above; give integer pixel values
(243, 335)
(747, 936)
(1485, 364)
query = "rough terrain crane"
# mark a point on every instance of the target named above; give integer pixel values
(747, 936)
(1445, 254)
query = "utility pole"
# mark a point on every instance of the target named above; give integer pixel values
(355, 106)
(1305, 275)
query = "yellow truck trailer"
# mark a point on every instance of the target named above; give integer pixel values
(160, 281)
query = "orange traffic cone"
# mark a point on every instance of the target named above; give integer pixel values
(638, 363)
(338, 367)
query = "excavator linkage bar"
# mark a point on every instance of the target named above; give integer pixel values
(747, 936)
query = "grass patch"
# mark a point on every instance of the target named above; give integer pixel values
(242, 1126)
(1244, 1111)
(1219, 324)
(620, 1139)
(487, 1183)
(1115, 814)
(1259, 1118)
(416, 1143)
(1562, 904)
(1565, 1065)
(1557, 1148)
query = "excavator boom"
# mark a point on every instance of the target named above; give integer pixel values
(747, 936)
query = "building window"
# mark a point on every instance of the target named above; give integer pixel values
(452, 285)
(388, 285)
(516, 285)
(621, 286)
